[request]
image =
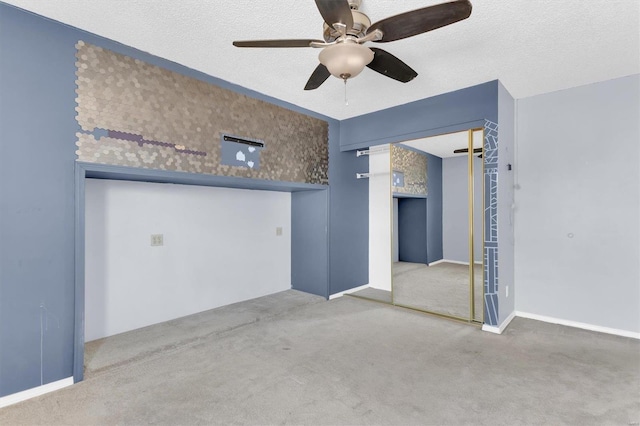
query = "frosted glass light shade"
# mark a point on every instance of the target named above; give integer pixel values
(345, 60)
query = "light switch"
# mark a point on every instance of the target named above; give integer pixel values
(279, 231)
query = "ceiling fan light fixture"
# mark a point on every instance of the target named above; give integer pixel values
(345, 60)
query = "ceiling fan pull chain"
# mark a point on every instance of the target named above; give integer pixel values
(346, 101)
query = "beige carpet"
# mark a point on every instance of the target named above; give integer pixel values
(442, 288)
(347, 362)
(123, 349)
(373, 294)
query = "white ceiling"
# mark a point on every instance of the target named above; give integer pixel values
(532, 46)
(443, 145)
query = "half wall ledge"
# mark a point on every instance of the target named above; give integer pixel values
(105, 171)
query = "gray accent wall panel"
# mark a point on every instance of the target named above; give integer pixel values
(491, 278)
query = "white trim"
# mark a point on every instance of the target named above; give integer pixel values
(351, 290)
(584, 326)
(33, 392)
(501, 327)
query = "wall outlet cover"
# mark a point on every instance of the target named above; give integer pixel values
(157, 240)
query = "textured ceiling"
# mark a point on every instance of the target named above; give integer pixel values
(443, 145)
(532, 46)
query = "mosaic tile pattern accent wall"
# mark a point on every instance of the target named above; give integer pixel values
(490, 155)
(135, 114)
(413, 165)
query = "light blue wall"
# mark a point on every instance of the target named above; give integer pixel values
(578, 203)
(455, 206)
(506, 241)
(434, 208)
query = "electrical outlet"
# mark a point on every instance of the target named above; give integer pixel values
(279, 231)
(506, 291)
(157, 240)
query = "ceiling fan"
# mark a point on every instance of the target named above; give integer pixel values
(346, 29)
(463, 150)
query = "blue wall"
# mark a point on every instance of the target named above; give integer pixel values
(412, 230)
(309, 254)
(450, 112)
(434, 208)
(36, 200)
(348, 219)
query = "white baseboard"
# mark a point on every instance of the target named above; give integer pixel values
(351, 290)
(457, 262)
(33, 392)
(499, 329)
(582, 325)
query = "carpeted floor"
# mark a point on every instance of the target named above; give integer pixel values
(160, 339)
(442, 288)
(297, 359)
(376, 294)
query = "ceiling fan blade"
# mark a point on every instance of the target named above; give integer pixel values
(387, 64)
(462, 150)
(335, 11)
(319, 76)
(276, 43)
(422, 20)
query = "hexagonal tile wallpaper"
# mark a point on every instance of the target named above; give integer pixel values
(413, 166)
(140, 115)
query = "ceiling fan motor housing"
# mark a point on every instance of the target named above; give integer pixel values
(361, 24)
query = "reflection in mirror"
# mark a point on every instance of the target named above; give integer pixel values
(379, 177)
(432, 259)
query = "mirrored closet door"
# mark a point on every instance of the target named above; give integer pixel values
(437, 229)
